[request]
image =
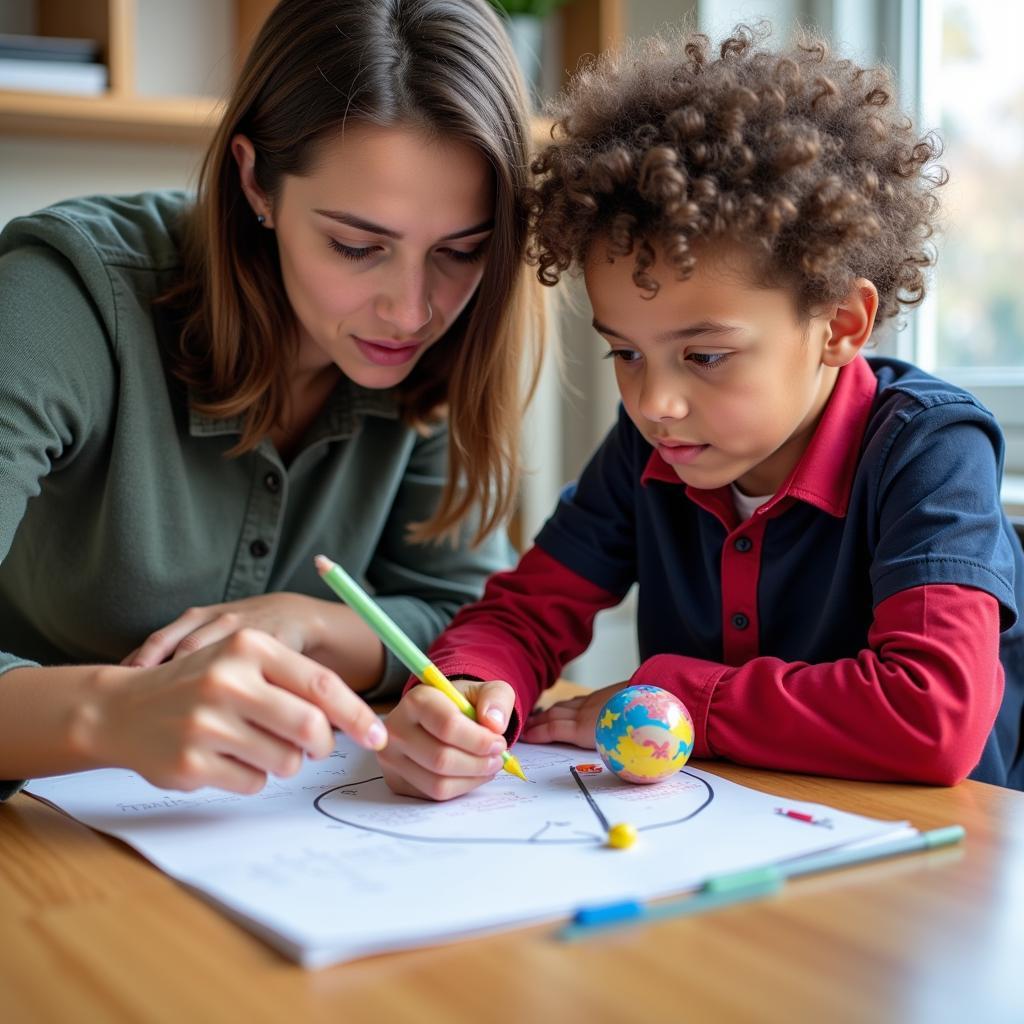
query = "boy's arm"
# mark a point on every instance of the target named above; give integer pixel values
(918, 701)
(533, 620)
(916, 705)
(530, 622)
(421, 586)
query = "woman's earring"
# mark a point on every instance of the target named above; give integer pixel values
(261, 219)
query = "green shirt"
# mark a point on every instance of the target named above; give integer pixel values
(118, 507)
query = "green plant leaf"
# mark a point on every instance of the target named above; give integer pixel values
(539, 8)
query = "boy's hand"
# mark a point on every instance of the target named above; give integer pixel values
(569, 721)
(435, 751)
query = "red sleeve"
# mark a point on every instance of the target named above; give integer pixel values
(530, 622)
(916, 705)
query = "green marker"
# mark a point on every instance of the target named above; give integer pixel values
(398, 643)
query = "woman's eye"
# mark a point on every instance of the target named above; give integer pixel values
(462, 256)
(709, 360)
(623, 355)
(351, 252)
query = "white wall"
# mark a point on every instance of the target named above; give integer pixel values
(17, 16)
(37, 172)
(646, 16)
(184, 48)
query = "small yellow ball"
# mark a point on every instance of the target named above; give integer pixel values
(621, 836)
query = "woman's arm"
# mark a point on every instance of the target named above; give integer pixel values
(421, 585)
(228, 716)
(225, 716)
(324, 630)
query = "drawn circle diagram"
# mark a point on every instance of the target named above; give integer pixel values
(560, 806)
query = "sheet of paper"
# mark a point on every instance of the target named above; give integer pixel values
(330, 865)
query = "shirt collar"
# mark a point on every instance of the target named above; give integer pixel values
(347, 404)
(824, 475)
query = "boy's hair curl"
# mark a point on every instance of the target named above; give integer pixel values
(801, 157)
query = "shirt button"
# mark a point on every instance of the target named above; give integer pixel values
(272, 482)
(743, 544)
(259, 549)
(740, 621)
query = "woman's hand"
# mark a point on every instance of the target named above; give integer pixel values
(228, 715)
(435, 751)
(293, 619)
(569, 721)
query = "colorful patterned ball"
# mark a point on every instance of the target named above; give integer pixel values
(644, 734)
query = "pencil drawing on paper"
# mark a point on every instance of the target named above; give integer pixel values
(571, 807)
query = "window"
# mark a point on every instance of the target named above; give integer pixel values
(962, 62)
(960, 73)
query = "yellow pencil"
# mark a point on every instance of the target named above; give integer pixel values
(395, 639)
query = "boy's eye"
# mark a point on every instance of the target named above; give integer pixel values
(352, 252)
(709, 360)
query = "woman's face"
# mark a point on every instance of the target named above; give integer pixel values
(382, 246)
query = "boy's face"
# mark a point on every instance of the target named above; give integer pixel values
(718, 374)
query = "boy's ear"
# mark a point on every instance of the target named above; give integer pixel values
(851, 324)
(244, 153)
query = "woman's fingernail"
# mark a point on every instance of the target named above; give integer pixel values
(496, 748)
(377, 736)
(496, 715)
(494, 764)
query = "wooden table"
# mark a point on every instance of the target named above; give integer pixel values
(89, 931)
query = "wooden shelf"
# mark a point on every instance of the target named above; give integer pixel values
(188, 120)
(588, 26)
(120, 113)
(185, 120)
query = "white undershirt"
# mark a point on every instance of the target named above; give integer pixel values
(746, 506)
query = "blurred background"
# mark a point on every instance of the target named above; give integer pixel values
(121, 95)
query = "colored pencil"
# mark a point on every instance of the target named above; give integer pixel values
(746, 885)
(395, 639)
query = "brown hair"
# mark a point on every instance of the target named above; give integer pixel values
(444, 66)
(803, 158)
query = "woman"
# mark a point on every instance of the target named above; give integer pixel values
(322, 353)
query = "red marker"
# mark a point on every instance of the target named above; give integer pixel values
(803, 816)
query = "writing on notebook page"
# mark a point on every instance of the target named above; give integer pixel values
(554, 810)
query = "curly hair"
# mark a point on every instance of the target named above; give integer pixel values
(803, 158)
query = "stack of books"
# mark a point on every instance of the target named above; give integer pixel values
(51, 64)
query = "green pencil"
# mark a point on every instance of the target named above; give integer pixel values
(738, 886)
(398, 643)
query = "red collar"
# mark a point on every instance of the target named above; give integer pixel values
(824, 475)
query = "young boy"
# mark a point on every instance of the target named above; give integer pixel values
(826, 577)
